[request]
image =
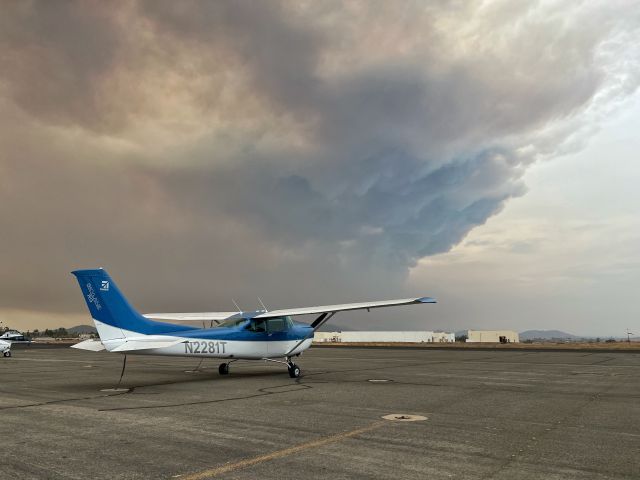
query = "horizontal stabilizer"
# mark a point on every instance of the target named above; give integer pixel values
(344, 307)
(131, 345)
(92, 345)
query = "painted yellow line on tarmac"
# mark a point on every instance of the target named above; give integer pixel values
(230, 467)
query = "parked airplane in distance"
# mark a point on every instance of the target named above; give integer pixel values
(13, 336)
(5, 348)
(257, 335)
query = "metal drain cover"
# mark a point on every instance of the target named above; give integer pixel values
(403, 417)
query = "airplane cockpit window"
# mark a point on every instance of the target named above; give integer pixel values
(232, 322)
(257, 325)
(280, 324)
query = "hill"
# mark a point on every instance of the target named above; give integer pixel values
(546, 335)
(78, 329)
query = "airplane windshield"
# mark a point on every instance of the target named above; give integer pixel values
(271, 325)
(279, 324)
(232, 323)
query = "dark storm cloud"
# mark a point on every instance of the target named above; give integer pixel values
(55, 57)
(205, 148)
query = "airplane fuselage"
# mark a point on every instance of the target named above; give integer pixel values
(237, 342)
(236, 349)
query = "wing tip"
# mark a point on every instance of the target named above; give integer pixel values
(427, 300)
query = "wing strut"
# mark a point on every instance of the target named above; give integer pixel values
(317, 323)
(319, 320)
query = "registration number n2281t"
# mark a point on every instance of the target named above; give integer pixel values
(205, 347)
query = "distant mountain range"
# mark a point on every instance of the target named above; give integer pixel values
(546, 335)
(79, 329)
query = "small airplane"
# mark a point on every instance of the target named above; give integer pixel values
(5, 348)
(256, 335)
(14, 336)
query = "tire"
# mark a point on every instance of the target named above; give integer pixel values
(294, 371)
(7, 353)
(223, 369)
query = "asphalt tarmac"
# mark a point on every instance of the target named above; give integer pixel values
(488, 415)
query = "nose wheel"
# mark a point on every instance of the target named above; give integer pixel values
(223, 369)
(294, 370)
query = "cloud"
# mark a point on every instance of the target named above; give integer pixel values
(202, 148)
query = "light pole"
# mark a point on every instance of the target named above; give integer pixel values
(629, 336)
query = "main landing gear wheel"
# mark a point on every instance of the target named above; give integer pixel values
(223, 369)
(7, 353)
(294, 370)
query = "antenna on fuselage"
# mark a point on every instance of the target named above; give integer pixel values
(234, 302)
(263, 305)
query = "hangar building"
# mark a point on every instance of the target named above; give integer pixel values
(492, 336)
(401, 337)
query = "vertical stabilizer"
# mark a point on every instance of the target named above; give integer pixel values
(113, 315)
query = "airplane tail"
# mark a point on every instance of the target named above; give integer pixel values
(112, 314)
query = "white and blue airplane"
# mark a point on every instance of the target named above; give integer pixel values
(14, 336)
(257, 335)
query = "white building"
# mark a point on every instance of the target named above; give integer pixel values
(492, 336)
(444, 337)
(379, 337)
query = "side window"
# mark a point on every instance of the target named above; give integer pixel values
(277, 325)
(257, 325)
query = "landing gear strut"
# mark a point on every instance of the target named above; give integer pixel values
(294, 370)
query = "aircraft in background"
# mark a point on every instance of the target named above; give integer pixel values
(14, 336)
(258, 335)
(5, 348)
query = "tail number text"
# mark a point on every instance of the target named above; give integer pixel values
(205, 347)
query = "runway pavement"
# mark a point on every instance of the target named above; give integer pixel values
(489, 415)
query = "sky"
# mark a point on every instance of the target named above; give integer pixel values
(484, 153)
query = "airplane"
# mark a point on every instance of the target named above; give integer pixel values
(257, 335)
(5, 348)
(14, 336)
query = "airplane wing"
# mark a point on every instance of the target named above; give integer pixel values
(343, 307)
(194, 316)
(219, 316)
(328, 311)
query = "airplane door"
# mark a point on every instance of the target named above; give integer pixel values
(277, 333)
(259, 338)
